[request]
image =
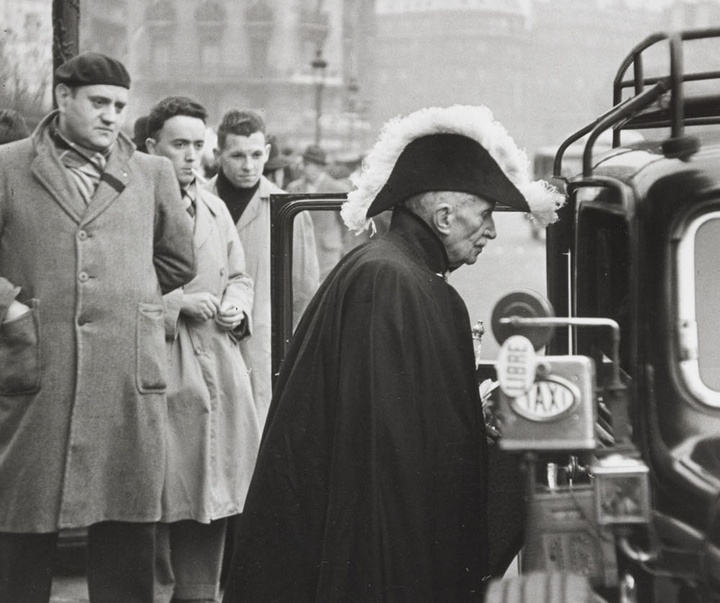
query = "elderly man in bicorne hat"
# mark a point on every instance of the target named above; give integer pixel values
(371, 482)
(92, 233)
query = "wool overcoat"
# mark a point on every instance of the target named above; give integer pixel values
(254, 230)
(83, 413)
(214, 429)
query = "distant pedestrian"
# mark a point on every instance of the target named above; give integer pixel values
(12, 126)
(332, 238)
(276, 166)
(214, 431)
(92, 234)
(140, 133)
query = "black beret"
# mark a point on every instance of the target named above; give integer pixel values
(446, 162)
(92, 68)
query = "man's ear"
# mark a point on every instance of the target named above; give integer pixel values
(151, 145)
(62, 93)
(442, 218)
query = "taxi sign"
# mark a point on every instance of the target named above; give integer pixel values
(516, 366)
(547, 399)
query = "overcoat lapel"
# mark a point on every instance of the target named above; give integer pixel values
(52, 174)
(113, 181)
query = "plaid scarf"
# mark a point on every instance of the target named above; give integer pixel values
(86, 166)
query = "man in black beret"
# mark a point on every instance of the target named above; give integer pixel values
(92, 234)
(371, 481)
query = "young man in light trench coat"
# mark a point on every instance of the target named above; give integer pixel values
(214, 429)
(92, 233)
(242, 153)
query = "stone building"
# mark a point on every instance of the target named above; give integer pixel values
(253, 54)
(545, 67)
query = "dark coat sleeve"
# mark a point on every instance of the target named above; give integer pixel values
(174, 256)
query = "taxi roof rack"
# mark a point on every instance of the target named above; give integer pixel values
(656, 102)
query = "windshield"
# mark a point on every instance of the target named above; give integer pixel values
(699, 306)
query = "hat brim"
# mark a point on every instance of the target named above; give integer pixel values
(446, 162)
(277, 163)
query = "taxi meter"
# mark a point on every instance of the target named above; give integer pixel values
(544, 402)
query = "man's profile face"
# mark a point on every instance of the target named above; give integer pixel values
(243, 158)
(181, 140)
(472, 227)
(91, 116)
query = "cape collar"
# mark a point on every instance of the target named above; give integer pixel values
(420, 241)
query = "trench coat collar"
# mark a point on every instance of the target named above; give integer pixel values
(204, 214)
(261, 197)
(412, 234)
(48, 169)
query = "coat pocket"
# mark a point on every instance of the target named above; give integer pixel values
(20, 354)
(151, 366)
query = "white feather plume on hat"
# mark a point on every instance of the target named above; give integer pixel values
(475, 122)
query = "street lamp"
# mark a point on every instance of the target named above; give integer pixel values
(352, 106)
(318, 64)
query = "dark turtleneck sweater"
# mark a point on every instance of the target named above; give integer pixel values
(235, 198)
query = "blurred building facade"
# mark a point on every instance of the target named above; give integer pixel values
(253, 54)
(545, 67)
(26, 57)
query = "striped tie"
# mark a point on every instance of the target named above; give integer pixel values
(190, 207)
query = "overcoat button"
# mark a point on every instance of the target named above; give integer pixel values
(83, 276)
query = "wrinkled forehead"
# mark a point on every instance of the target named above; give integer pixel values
(104, 91)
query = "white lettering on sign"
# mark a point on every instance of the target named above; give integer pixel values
(546, 400)
(516, 366)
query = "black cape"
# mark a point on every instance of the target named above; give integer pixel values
(370, 484)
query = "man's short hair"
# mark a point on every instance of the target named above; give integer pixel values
(172, 106)
(240, 123)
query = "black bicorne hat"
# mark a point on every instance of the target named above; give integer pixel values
(446, 162)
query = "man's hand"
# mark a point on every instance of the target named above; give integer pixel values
(15, 310)
(230, 316)
(200, 306)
